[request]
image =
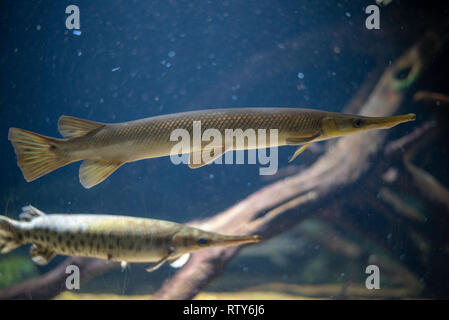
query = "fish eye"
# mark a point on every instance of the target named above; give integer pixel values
(202, 241)
(357, 123)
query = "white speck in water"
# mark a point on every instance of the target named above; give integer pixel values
(211, 176)
(163, 62)
(171, 54)
(234, 97)
(348, 14)
(300, 75)
(101, 100)
(79, 53)
(115, 69)
(389, 236)
(77, 32)
(168, 64)
(38, 27)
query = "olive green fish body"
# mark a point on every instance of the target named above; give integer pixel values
(150, 137)
(111, 237)
(105, 147)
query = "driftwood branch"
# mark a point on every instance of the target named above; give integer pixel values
(341, 165)
(54, 282)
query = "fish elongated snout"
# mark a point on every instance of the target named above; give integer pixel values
(388, 122)
(227, 241)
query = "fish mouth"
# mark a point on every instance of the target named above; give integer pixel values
(388, 122)
(238, 240)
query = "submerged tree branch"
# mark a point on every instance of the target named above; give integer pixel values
(341, 165)
(53, 282)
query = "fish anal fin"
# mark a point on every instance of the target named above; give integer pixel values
(71, 127)
(299, 151)
(92, 172)
(41, 255)
(196, 159)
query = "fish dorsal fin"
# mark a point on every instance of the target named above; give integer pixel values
(29, 213)
(41, 255)
(93, 172)
(71, 127)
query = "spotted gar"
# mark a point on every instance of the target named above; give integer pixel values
(111, 237)
(105, 147)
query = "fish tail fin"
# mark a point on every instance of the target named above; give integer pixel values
(37, 155)
(9, 239)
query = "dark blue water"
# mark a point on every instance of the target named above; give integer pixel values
(136, 59)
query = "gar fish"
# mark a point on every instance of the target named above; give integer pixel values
(105, 147)
(111, 237)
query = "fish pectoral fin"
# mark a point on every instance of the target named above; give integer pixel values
(71, 127)
(299, 151)
(41, 255)
(196, 158)
(157, 265)
(294, 141)
(92, 172)
(180, 261)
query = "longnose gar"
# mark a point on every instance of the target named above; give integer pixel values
(111, 237)
(105, 147)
